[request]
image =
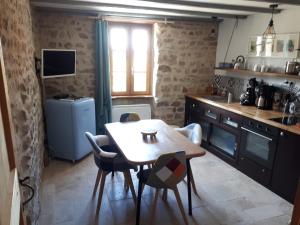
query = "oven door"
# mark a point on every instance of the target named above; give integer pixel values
(258, 147)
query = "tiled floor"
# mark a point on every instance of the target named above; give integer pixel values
(227, 197)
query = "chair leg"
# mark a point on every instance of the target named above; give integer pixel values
(155, 198)
(126, 186)
(128, 180)
(179, 202)
(101, 189)
(165, 195)
(154, 206)
(97, 182)
(143, 187)
(193, 183)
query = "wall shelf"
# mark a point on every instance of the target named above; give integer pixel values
(249, 73)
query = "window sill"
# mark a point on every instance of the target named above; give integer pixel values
(132, 96)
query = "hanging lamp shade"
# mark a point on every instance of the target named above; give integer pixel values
(270, 32)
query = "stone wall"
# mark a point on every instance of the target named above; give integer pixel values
(185, 60)
(65, 31)
(185, 64)
(24, 92)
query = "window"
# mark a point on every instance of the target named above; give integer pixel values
(130, 47)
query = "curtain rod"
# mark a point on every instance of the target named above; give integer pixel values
(131, 19)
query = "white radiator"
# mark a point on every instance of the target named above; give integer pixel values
(144, 111)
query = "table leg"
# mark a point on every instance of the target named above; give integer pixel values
(138, 206)
(189, 185)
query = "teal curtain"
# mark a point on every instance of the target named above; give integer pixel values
(103, 94)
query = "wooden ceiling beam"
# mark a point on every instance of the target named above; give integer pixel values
(91, 4)
(216, 6)
(98, 14)
(287, 2)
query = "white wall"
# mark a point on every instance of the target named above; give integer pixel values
(288, 21)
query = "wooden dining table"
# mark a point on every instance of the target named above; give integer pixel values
(142, 151)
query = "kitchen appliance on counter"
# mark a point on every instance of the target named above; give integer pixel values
(292, 67)
(265, 96)
(249, 97)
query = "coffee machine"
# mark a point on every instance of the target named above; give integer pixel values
(265, 95)
(249, 97)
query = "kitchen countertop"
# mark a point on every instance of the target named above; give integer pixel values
(250, 112)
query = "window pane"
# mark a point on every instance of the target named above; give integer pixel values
(140, 39)
(140, 82)
(119, 61)
(140, 61)
(118, 39)
(119, 81)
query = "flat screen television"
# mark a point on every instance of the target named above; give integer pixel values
(58, 63)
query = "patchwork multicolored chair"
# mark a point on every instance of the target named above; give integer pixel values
(193, 132)
(130, 116)
(166, 173)
(108, 160)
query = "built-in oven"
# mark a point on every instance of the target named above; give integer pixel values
(258, 142)
(258, 148)
(224, 137)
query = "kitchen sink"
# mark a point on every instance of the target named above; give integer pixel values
(287, 120)
(216, 98)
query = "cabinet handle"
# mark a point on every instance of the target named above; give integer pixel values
(193, 105)
(209, 111)
(263, 170)
(229, 119)
(282, 134)
(242, 158)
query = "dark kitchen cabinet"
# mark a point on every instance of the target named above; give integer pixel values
(255, 171)
(211, 114)
(263, 152)
(193, 111)
(220, 129)
(286, 171)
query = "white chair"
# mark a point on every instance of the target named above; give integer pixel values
(193, 132)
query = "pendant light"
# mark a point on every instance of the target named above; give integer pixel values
(270, 31)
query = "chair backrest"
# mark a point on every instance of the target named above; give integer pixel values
(130, 116)
(168, 170)
(193, 132)
(98, 152)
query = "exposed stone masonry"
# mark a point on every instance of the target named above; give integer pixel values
(64, 31)
(24, 93)
(185, 64)
(185, 60)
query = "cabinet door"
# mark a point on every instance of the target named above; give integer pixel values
(286, 170)
(193, 111)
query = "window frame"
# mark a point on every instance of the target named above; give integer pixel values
(129, 55)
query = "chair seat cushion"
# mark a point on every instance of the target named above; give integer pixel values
(118, 163)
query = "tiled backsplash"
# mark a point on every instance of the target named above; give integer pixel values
(238, 85)
(231, 84)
